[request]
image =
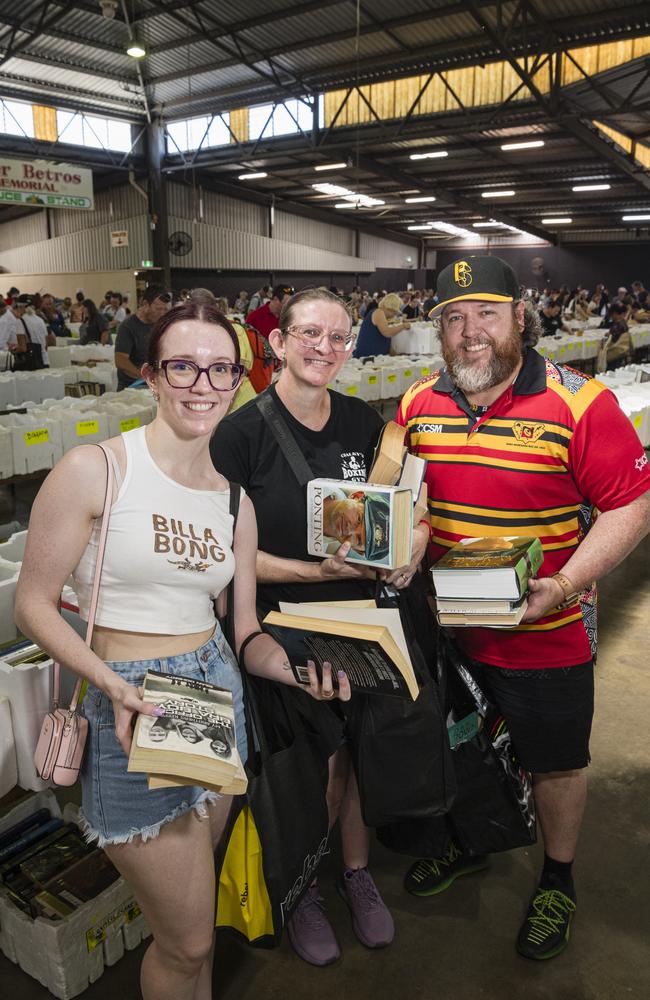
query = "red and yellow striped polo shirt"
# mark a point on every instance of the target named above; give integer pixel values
(553, 447)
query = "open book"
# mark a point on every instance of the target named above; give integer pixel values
(367, 643)
(394, 465)
(194, 742)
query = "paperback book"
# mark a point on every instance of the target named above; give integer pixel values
(194, 742)
(367, 643)
(376, 520)
(488, 568)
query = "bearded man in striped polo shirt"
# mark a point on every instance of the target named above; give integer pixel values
(517, 445)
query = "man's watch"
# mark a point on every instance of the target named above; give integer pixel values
(570, 593)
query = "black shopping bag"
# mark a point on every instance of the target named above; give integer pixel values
(400, 750)
(283, 827)
(494, 808)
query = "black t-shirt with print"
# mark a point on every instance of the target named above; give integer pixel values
(245, 451)
(550, 324)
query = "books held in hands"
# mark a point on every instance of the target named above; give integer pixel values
(394, 465)
(480, 568)
(194, 742)
(376, 520)
(368, 643)
(484, 581)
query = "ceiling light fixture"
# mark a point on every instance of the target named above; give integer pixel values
(330, 166)
(447, 227)
(438, 154)
(426, 225)
(591, 187)
(483, 225)
(533, 144)
(252, 177)
(413, 201)
(564, 221)
(636, 218)
(497, 193)
(135, 50)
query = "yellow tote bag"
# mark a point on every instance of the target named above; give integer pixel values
(243, 903)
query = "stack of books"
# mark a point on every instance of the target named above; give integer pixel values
(48, 870)
(484, 581)
(193, 742)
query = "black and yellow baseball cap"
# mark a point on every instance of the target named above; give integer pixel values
(483, 279)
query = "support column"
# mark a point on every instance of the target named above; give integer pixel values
(158, 199)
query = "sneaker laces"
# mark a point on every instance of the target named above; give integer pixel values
(551, 908)
(432, 866)
(310, 911)
(362, 887)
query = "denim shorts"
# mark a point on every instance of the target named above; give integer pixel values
(117, 804)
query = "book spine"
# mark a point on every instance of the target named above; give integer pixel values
(315, 543)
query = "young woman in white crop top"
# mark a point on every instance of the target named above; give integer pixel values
(169, 553)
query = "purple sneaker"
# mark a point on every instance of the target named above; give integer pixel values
(310, 932)
(371, 920)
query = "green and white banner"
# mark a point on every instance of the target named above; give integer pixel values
(45, 184)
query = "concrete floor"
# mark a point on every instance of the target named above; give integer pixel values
(460, 944)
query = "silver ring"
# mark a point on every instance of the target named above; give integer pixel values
(327, 697)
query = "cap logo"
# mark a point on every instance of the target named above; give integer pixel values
(462, 274)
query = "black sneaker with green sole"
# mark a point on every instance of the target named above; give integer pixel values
(546, 928)
(431, 875)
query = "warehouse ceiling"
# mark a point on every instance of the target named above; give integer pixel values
(206, 57)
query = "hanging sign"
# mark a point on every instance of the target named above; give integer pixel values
(45, 184)
(119, 238)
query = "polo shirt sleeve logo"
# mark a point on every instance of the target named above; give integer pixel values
(462, 273)
(527, 433)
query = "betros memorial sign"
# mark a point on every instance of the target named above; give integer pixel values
(45, 184)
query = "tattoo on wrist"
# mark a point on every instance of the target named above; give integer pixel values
(286, 665)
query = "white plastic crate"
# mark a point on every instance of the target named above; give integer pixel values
(13, 549)
(6, 453)
(59, 357)
(67, 955)
(8, 768)
(36, 441)
(82, 426)
(7, 389)
(8, 580)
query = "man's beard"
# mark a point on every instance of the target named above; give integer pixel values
(472, 377)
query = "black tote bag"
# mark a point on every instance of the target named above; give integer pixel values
(400, 749)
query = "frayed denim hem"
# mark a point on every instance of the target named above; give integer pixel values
(91, 835)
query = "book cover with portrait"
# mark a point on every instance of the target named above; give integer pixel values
(376, 520)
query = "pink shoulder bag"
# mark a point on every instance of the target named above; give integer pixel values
(62, 741)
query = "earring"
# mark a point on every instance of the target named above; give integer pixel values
(155, 396)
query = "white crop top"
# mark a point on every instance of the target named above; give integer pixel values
(168, 552)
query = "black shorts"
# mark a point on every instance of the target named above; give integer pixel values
(548, 712)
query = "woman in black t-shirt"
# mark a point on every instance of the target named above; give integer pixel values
(336, 435)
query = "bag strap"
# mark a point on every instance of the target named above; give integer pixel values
(288, 445)
(95, 591)
(229, 618)
(29, 339)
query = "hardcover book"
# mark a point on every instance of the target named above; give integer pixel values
(194, 740)
(369, 644)
(495, 568)
(376, 520)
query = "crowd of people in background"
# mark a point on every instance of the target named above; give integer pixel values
(39, 318)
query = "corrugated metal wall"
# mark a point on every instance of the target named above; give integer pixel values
(21, 232)
(228, 249)
(218, 209)
(89, 250)
(387, 253)
(310, 233)
(122, 202)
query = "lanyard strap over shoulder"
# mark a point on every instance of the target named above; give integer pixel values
(288, 445)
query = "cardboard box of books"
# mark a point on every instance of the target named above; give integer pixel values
(86, 914)
(376, 520)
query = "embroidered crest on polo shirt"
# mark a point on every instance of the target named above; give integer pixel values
(641, 462)
(527, 433)
(462, 273)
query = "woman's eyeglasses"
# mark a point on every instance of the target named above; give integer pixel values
(312, 336)
(181, 374)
